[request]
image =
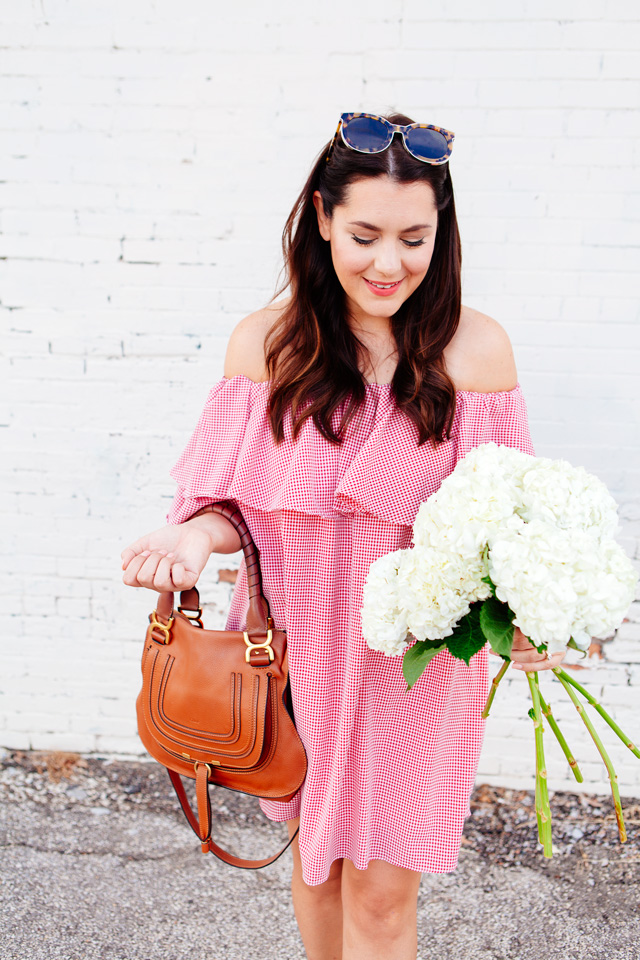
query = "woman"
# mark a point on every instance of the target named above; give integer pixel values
(341, 409)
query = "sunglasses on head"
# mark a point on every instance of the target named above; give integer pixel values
(368, 133)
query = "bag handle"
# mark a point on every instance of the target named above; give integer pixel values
(258, 612)
(201, 825)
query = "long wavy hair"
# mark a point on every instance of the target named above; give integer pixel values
(312, 354)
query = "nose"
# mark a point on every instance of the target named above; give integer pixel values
(388, 262)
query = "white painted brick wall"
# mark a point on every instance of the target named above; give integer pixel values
(149, 160)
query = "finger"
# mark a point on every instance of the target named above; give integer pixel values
(162, 579)
(522, 645)
(130, 576)
(531, 666)
(135, 548)
(170, 576)
(527, 656)
(129, 553)
(554, 661)
(147, 572)
(543, 663)
(183, 579)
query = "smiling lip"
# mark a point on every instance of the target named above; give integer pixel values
(385, 291)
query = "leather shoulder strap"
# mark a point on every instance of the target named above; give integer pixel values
(209, 845)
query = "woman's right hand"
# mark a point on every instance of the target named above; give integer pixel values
(168, 559)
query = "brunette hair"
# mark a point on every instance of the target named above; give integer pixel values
(312, 347)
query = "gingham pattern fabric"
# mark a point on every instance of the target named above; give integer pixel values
(390, 773)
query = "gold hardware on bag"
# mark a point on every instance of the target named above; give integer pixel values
(201, 763)
(196, 762)
(165, 629)
(258, 646)
(190, 615)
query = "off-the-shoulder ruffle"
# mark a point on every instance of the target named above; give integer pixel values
(378, 470)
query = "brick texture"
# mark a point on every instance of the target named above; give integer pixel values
(149, 161)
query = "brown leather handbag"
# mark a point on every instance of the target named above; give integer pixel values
(215, 705)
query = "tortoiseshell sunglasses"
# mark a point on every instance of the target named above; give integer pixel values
(368, 133)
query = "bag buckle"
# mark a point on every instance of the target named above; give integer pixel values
(209, 765)
(258, 646)
(194, 615)
(164, 628)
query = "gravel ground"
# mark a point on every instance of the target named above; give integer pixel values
(99, 863)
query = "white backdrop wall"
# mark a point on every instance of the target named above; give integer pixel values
(150, 153)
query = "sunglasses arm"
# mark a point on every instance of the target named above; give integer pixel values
(333, 142)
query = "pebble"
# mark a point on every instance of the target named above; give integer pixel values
(77, 793)
(502, 827)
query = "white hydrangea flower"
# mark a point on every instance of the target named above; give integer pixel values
(384, 621)
(532, 571)
(609, 592)
(561, 583)
(436, 589)
(491, 459)
(483, 492)
(548, 526)
(568, 496)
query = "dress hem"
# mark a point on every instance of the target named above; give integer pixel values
(445, 867)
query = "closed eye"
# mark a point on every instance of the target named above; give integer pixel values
(408, 243)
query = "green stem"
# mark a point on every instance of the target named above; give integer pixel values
(538, 790)
(494, 686)
(571, 760)
(546, 808)
(539, 808)
(562, 674)
(543, 810)
(568, 684)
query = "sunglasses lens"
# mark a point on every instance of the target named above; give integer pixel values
(427, 144)
(366, 134)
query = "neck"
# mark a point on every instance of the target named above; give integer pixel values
(377, 327)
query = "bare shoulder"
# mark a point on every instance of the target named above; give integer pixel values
(246, 348)
(480, 356)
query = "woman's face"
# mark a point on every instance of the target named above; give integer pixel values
(382, 242)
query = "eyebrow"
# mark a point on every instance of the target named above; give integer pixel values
(370, 226)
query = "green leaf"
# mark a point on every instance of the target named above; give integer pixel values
(417, 657)
(496, 622)
(491, 584)
(531, 713)
(467, 638)
(487, 579)
(574, 646)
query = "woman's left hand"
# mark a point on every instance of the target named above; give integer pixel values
(525, 657)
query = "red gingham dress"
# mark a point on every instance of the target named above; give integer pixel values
(390, 773)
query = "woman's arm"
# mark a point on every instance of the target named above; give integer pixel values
(223, 535)
(173, 557)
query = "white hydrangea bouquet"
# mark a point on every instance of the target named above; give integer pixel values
(508, 540)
